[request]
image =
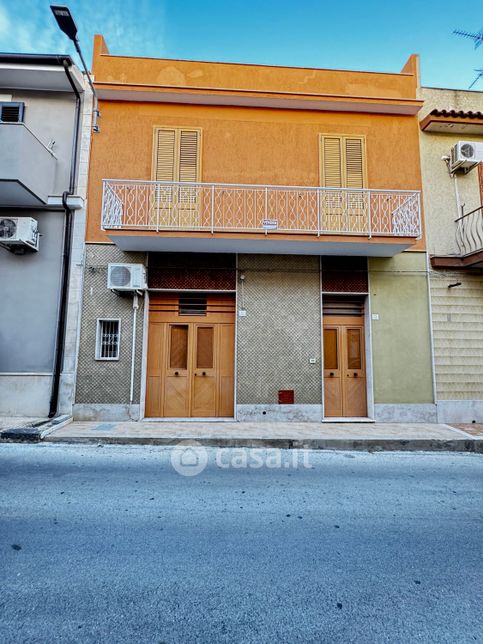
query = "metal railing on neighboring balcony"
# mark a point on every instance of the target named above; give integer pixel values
(469, 232)
(215, 207)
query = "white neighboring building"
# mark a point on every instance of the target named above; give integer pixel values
(453, 205)
(45, 116)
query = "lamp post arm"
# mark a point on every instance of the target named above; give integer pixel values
(95, 109)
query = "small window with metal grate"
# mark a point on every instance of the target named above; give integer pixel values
(108, 339)
(192, 305)
(11, 112)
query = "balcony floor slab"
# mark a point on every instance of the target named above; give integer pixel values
(188, 242)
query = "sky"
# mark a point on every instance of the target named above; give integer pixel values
(371, 35)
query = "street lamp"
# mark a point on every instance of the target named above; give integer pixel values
(66, 24)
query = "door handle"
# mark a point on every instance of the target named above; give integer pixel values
(355, 375)
(176, 373)
(204, 373)
(331, 374)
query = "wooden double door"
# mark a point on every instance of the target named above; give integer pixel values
(191, 352)
(345, 388)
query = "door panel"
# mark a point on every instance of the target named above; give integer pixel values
(332, 377)
(344, 367)
(226, 370)
(154, 403)
(176, 393)
(204, 373)
(355, 381)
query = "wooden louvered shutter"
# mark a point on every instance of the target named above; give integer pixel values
(331, 162)
(189, 155)
(354, 163)
(188, 168)
(165, 155)
(342, 162)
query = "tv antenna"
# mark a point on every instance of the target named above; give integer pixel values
(478, 39)
(478, 76)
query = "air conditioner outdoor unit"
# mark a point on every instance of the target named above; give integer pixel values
(465, 155)
(126, 277)
(19, 234)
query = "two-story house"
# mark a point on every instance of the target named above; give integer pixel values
(44, 143)
(276, 214)
(451, 123)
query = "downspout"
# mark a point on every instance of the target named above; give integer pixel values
(66, 254)
(460, 209)
(135, 307)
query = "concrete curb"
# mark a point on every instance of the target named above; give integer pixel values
(371, 445)
(35, 433)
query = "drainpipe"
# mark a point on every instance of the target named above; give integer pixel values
(460, 208)
(431, 334)
(135, 307)
(66, 253)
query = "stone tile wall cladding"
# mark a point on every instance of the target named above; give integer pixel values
(458, 333)
(281, 330)
(107, 382)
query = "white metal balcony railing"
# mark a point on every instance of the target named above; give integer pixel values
(215, 207)
(469, 232)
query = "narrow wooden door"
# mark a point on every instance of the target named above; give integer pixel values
(191, 352)
(177, 350)
(204, 372)
(344, 367)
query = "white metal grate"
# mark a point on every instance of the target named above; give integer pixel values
(108, 339)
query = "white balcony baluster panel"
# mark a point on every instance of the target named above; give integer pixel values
(162, 206)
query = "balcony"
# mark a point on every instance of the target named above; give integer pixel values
(27, 167)
(469, 240)
(469, 233)
(211, 217)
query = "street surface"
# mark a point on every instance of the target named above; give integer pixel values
(111, 544)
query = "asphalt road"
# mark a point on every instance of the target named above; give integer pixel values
(111, 544)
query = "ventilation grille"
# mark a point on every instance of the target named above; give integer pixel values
(467, 151)
(343, 306)
(8, 228)
(120, 276)
(344, 275)
(108, 339)
(11, 112)
(192, 305)
(194, 271)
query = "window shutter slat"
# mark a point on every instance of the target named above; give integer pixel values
(165, 155)
(354, 154)
(332, 162)
(189, 156)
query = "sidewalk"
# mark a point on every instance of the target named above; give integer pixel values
(355, 436)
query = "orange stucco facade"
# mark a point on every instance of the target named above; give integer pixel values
(260, 125)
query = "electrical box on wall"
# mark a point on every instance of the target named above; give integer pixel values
(286, 396)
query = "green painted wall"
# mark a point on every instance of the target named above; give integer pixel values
(401, 336)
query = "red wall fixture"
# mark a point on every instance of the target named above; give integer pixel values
(286, 396)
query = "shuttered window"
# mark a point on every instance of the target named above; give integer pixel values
(164, 155)
(332, 162)
(342, 161)
(176, 154)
